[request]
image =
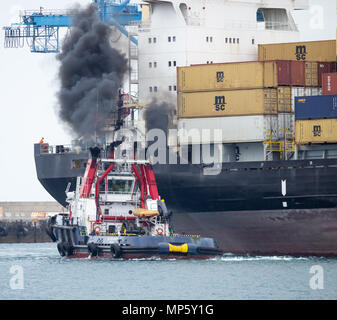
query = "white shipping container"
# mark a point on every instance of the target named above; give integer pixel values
(303, 92)
(286, 124)
(233, 129)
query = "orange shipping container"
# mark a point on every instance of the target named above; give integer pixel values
(316, 131)
(323, 51)
(227, 103)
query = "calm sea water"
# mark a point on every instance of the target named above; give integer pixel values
(42, 274)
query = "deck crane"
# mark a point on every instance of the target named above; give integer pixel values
(41, 28)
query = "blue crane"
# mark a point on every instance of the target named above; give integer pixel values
(41, 28)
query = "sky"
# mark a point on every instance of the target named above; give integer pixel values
(28, 87)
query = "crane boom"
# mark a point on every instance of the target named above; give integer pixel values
(41, 28)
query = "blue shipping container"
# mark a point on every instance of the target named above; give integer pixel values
(316, 107)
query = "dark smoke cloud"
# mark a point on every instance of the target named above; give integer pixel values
(158, 115)
(91, 71)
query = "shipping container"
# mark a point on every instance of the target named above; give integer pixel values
(297, 73)
(316, 107)
(311, 74)
(301, 92)
(227, 103)
(233, 129)
(286, 124)
(329, 83)
(284, 99)
(325, 67)
(316, 131)
(242, 75)
(324, 51)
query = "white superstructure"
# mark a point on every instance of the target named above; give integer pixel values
(181, 33)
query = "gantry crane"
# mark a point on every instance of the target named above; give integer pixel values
(41, 28)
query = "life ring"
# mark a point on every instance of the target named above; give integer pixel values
(97, 229)
(160, 231)
(45, 147)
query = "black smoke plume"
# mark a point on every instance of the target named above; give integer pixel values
(91, 73)
(158, 115)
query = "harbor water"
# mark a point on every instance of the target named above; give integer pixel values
(36, 271)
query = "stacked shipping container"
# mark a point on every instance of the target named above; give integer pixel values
(248, 99)
(316, 119)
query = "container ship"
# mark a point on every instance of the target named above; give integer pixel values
(237, 67)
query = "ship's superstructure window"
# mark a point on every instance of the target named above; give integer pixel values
(175, 88)
(253, 41)
(150, 40)
(169, 39)
(155, 89)
(154, 40)
(233, 40)
(174, 39)
(226, 40)
(155, 64)
(172, 63)
(150, 64)
(238, 40)
(150, 88)
(170, 88)
(209, 39)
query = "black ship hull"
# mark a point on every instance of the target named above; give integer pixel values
(244, 207)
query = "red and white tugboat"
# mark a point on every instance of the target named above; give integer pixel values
(116, 212)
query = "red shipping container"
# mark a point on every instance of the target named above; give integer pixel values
(283, 72)
(325, 67)
(329, 83)
(297, 73)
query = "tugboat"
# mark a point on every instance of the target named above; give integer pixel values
(116, 213)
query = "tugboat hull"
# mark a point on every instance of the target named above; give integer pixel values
(72, 245)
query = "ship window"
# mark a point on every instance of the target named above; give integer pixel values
(169, 39)
(174, 38)
(174, 63)
(155, 89)
(106, 212)
(230, 40)
(169, 63)
(155, 64)
(150, 64)
(226, 40)
(237, 40)
(233, 40)
(120, 186)
(150, 89)
(175, 88)
(150, 40)
(170, 88)
(112, 229)
(211, 39)
(253, 41)
(154, 40)
(206, 39)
